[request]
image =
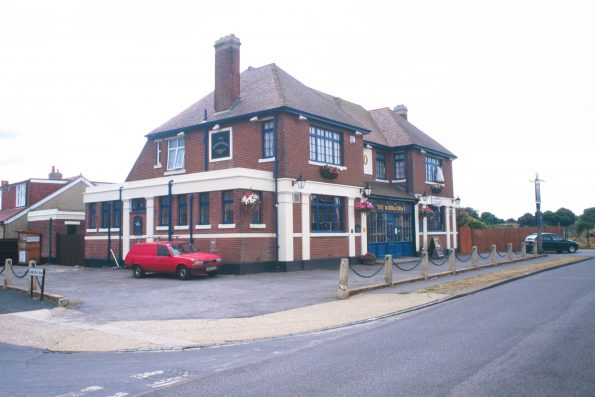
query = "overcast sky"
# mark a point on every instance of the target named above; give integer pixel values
(508, 86)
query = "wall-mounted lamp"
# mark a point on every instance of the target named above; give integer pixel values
(359, 133)
(367, 190)
(300, 182)
(423, 198)
(302, 117)
(181, 133)
(216, 126)
(255, 118)
(456, 201)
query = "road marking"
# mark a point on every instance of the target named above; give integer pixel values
(82, 392)
(119, 394)
(169, 381)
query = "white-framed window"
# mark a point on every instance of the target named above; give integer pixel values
(175, 153)
(220, 145)
(158, 154)
(21, 195)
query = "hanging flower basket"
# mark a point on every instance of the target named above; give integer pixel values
(250, 200)
(329, 172)
(364, 206)
(427, 211)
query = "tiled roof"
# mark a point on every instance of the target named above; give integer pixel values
(270, 87)
(390, 190)
(265, 88)
(396, 131)
(9, 213)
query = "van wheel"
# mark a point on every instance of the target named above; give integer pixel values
(182, 272)
(138, 272)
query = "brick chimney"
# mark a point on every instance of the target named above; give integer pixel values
(3, 183)
(401, 110)
(227, 72)
(55, 174)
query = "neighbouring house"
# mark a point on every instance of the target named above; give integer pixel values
(274, 175)
(51, 208)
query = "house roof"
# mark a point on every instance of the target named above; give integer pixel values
(265, 88)
(270, 87)
(381, 189)
(10, 212)
(394, 130)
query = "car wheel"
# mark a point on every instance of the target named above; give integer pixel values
(572, 249)
(183, 272)
(211, 274)
(138, 271)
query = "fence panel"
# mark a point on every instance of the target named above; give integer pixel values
(484, 238)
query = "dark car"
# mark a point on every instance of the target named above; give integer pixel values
(551, 242)
(181, 259)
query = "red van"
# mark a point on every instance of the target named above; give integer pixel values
(178, 258)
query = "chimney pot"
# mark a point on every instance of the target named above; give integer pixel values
(401, 110)
(227, 72)
(55, 174)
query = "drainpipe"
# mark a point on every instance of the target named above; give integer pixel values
(3, 229)
(276, 178)
(169, 198)
(50, 241)
(121, 226)
(109, 231)
(191, 226)
(205, 142)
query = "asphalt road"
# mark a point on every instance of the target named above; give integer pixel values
(532, 337)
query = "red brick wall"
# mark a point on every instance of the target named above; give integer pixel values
(329, 247)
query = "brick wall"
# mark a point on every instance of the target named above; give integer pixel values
(329, 247)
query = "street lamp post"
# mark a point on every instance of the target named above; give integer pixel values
(538, 217)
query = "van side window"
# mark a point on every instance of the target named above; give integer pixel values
(162, 251)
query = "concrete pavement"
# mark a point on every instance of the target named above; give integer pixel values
(111, 311)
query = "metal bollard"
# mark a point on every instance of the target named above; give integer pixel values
(8, 272)
(474, 256)
(509, 252)
(388, 269)
(452, 262)
(343, 291)
(425, 265)
(493, 258)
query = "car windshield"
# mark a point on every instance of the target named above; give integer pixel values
(182, 248)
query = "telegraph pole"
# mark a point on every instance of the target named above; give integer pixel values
(538, 217)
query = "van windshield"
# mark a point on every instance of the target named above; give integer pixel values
(182, 248)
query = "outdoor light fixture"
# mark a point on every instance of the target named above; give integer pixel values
(216, 126)
(302, 117)
(300, 182)
(255, 118)
(457, 201)
(367, 190)
(424, 198)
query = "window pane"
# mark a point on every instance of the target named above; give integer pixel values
(204, 209)
(400, 166)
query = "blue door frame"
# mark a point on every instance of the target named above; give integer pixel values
(390, 233)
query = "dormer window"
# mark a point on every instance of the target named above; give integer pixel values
(21, 199)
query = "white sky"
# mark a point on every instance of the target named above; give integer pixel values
(508, 86)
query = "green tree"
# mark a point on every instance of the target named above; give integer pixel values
(565, 217)
(550, 218)
(490, 219)
(527, 219)
(472, 222)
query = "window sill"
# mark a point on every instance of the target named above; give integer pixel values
(267, 160)
(202, 227)
(435, 183)
(174, 172)
(258, 226)
(91, 230)
(227, 226)
(157, 166)
(162, 228)
(340, 167)
(328, 234)
(105, 230)
(181, 227)
(399, 180)
(382, 180)
(221, 159)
